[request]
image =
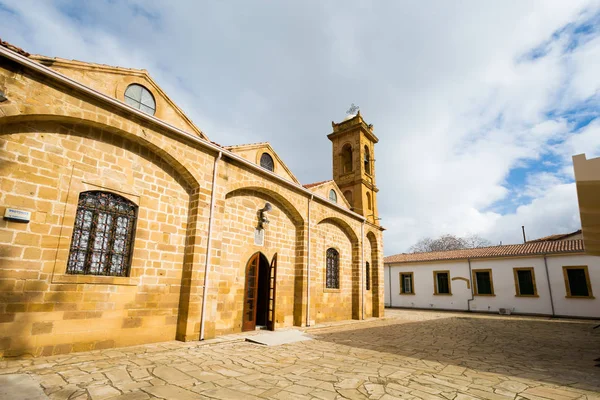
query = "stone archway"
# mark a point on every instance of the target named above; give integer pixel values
(288, 242)
(376, 271)
(167, 160)
(356, 269)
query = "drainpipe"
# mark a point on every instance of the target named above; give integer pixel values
(472, 290)
(549, 286)
(362, 266)
(308, 266)
(390, 281)
(209, 244)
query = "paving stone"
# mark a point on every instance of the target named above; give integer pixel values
(171, 392)
(452, 357)
(102, 392)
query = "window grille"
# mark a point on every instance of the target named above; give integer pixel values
(332, 280)
(103, 235)
(266, 161)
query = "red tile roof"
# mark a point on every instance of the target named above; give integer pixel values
(511, 250)
(14, 48)
(560, 236)
(310, 185)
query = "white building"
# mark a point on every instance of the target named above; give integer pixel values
(549, 276)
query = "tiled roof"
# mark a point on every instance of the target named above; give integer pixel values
(310, 185)
(560, 236)
(511, 250)
(14, 48)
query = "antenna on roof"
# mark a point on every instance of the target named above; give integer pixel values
(524, 239)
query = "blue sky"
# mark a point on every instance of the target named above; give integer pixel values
(479, 106)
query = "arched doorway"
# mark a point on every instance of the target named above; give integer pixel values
(259, 293)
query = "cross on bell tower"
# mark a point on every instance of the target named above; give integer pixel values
(354, 163)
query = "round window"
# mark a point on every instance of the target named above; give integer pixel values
(333, 196)
(139, 97)
(266, 161)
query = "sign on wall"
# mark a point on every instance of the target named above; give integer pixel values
(17, 215)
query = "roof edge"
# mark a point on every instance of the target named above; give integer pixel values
(26, 62)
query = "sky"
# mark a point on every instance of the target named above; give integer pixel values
(478, 106)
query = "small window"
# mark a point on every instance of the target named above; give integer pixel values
(368, 276)
(139, 97)
(369, 202)
(332, 270)
(266, 161)
(346, 159)
(482, 279)
(441, 282)
(102, 242)
(525, 282)
(577, 282)
(406, 283)
(367, 161)
(333, 196)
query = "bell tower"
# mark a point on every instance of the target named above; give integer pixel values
(354, 163)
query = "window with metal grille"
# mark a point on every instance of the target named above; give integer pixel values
(368, 275)
(525, 282)
(442, 282)
(406, 283)
(577, 281)
(332, 279)
(102, 242)
(483, 282)
(266, 161)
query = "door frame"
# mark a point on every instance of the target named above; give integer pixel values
(251, 305)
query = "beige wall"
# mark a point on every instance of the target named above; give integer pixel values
(55, 143)
(587, 177)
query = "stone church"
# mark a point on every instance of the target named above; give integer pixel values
(124, 224)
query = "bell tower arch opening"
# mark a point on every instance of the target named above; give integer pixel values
(353, 143)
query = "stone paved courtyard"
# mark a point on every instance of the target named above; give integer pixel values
(408, 355)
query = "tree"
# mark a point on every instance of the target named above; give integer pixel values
(449, 242)
(475, 241)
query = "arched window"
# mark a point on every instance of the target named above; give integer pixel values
(102, 242)
(266, 161)
(139, 97)
(367, 161)
(347, 159)
(369, 202)
(368, 275)
(332, 273)
(348, 196)
(333, 196)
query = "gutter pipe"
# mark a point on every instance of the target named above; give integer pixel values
(308, 266)
(472, 290)
(549, 286)
(209, 244)
(390, 281)
(362, 266)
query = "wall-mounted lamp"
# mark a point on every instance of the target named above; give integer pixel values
(2, 96)
(262, 218)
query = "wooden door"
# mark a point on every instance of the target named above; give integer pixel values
(272, 294)
(250, 293)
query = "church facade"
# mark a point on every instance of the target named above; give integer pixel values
(124, 224)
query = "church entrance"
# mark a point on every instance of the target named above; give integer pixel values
(259, 293)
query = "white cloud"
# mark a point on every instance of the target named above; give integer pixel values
(455, 99)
